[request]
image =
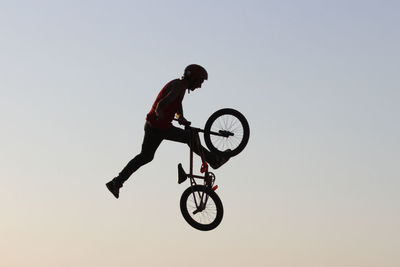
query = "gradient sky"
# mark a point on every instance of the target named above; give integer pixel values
(317, 184)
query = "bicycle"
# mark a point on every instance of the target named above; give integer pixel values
(226, 133)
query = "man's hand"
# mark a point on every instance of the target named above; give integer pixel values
(183, 121)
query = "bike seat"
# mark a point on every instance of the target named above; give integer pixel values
(182, 176)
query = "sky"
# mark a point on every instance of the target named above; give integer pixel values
(317, 184)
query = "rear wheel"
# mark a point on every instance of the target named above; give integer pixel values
(201, 207)
(226, 132)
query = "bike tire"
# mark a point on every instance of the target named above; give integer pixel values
(229, 120)
(207, 219)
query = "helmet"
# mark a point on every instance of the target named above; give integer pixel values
(195, 71)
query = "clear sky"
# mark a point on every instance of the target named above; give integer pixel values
(317, 184)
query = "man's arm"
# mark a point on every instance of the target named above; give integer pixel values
(179, 113)
(174, 93)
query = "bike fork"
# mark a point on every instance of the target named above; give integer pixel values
(203, 202)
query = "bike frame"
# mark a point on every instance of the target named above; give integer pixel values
(195, 141)
(208, 177)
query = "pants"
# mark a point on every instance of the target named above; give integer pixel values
(151, 141)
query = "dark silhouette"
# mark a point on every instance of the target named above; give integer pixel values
(158, 126)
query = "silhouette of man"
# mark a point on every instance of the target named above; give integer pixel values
(158, 126)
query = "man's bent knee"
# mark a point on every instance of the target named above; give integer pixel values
(146, 158)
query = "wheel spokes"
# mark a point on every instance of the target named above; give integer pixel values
(201, 208)
(231, 124)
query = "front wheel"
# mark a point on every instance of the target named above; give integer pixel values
(201, 207)
(226, 132)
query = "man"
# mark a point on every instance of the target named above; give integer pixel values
(158, 127)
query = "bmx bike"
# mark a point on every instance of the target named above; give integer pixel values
(226, 134)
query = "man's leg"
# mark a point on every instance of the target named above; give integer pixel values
(183, 136)
(151, 141)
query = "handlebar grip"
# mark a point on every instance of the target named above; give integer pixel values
(188, 123)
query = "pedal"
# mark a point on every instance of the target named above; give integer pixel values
(182, 176)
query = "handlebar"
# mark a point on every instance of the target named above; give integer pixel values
(220, 133)
(188, 123)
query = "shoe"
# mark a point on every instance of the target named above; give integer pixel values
(221, 160)
(113, 187)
